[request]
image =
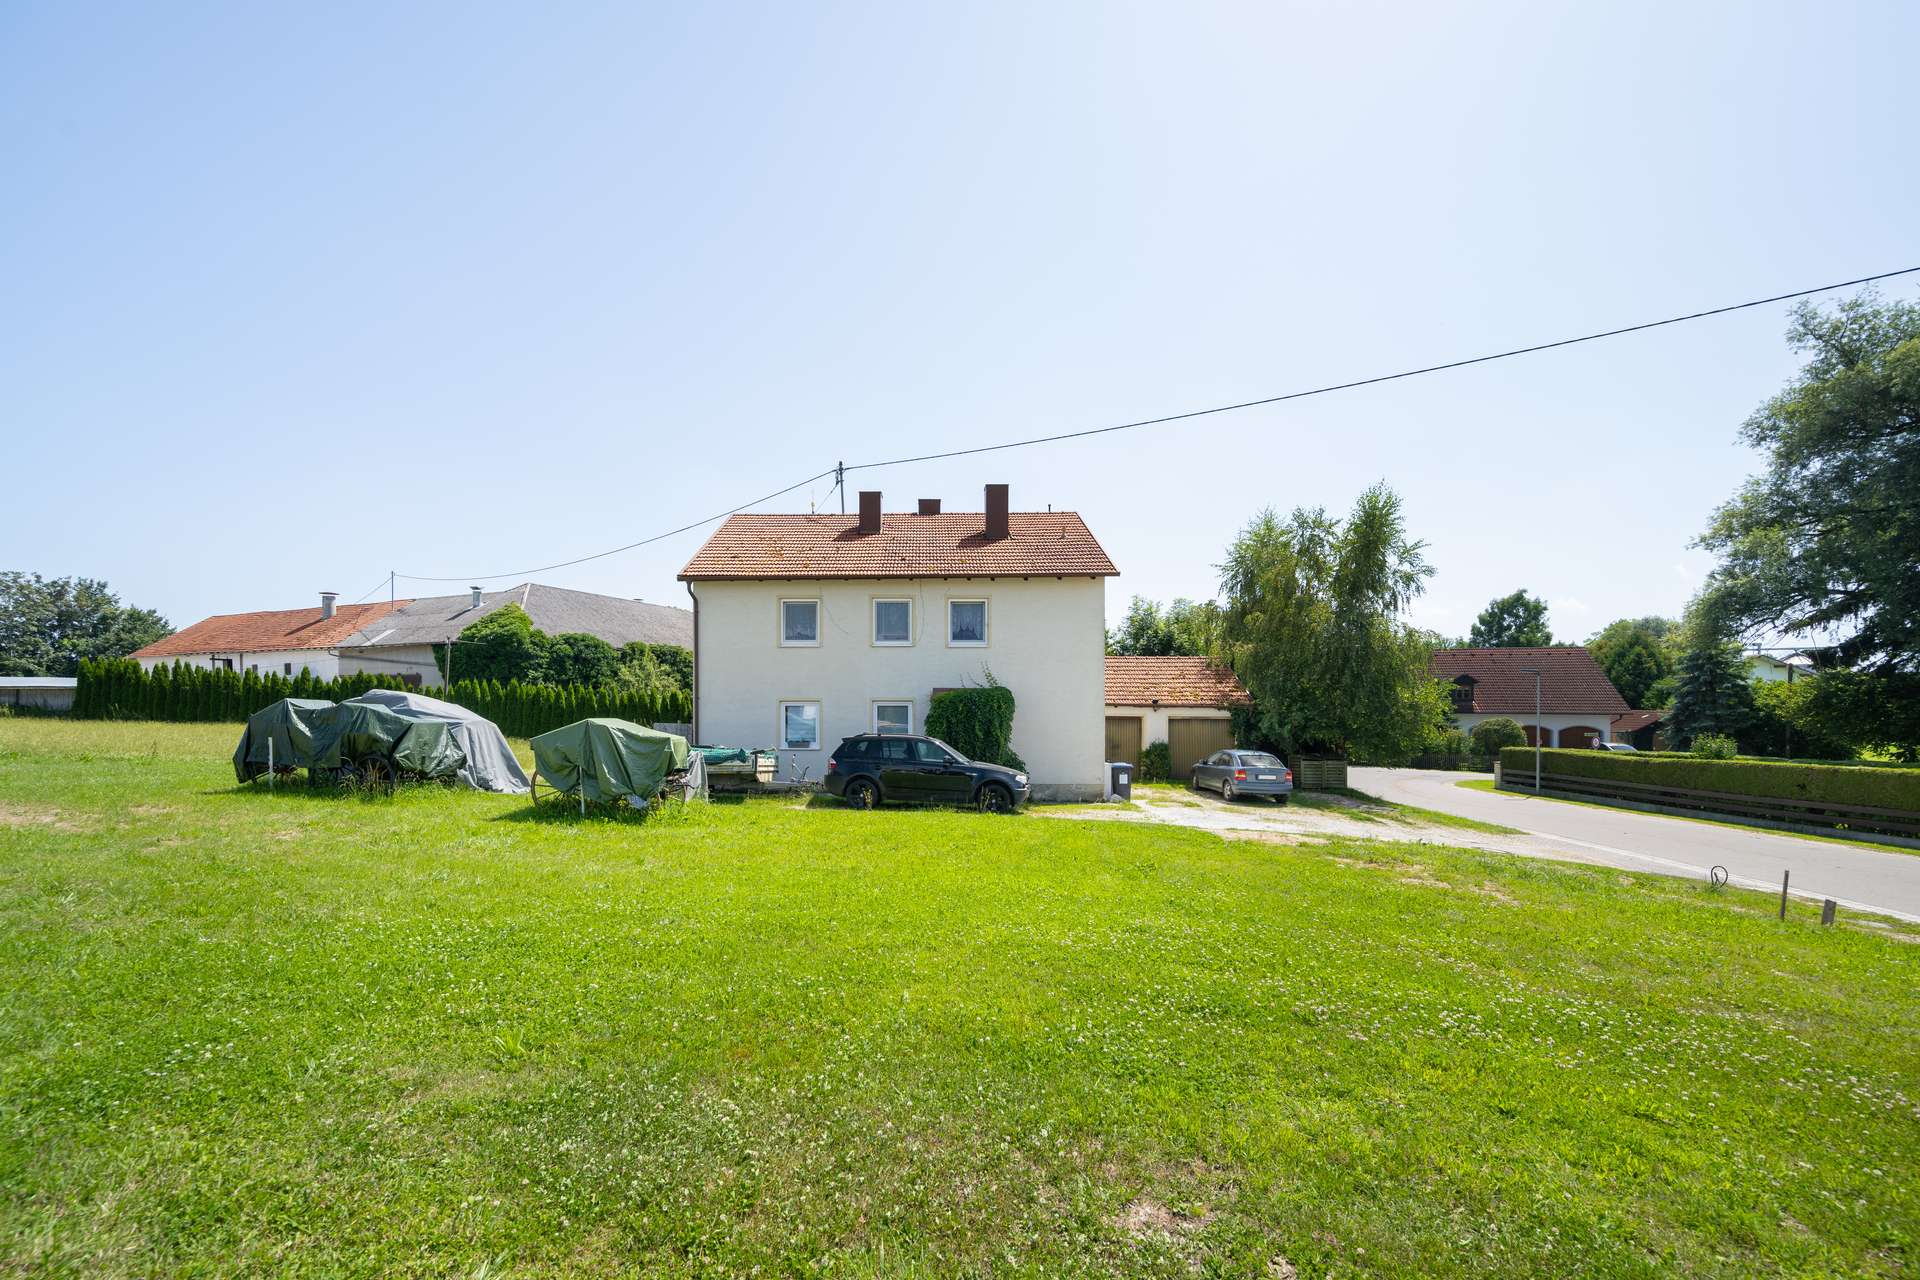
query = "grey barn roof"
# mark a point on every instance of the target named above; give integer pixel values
(554, 610)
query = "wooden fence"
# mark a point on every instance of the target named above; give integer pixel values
(1825, 814)
(1320, 775)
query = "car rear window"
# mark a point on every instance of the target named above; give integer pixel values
(1260, 760)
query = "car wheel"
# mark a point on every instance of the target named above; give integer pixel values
(995, 799)
(1227, 792)
(1279, 799)
(862, 794)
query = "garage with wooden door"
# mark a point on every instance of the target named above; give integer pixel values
(1123, 739)
(1191, 739)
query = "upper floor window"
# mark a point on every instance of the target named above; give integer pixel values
(800, 622)
(893, 622)
(1462, 692)
(966, 622)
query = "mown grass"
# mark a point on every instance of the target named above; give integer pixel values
(432, 1035)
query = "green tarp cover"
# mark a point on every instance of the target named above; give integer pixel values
(725, 755)
(288, 724)
(608, 759)
(352, 730)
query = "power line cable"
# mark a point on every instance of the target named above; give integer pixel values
(1385, 377)
(601, 555)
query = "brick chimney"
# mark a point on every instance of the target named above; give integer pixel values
(929, 506)
(869, 511)
(996, 512)
(326, 603)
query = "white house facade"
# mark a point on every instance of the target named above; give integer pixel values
(809, 629)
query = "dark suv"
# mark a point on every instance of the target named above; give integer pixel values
(871, 767)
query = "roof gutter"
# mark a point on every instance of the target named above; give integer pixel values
(696, 659)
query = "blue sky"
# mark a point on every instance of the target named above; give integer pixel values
(296, 295)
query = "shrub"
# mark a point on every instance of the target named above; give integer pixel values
(1156, 763)
(1715, 746)
(1490, 737)
(978, 723)
(1774, 779)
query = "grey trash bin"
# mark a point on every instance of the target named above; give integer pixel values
(1120, 779)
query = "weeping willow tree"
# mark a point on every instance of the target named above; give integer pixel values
(1313, 626)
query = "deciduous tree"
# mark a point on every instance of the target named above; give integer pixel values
(1512, 622)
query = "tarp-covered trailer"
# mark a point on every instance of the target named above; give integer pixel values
(604, 761)
(279, 736)
(361, 742)
(490, 765)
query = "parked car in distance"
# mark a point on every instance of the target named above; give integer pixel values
(1618, 746)
(1235, 773)
(870, 769)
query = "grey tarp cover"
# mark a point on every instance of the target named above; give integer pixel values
(288, 724)
(608, 759)
(352, 730)
(490, 762)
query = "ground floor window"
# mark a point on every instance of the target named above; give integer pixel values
(893, 717)
(799, 726)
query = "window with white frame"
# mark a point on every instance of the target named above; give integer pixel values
(893, 717)
(966, 622)
(893, 622)
(799, 726)
(800, 622)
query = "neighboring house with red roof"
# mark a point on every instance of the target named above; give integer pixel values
(397, 637)
(1186, 703)
(811, 628)
(1577, 703)
(1640, 729)
(282, 641)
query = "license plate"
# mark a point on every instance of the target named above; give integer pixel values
(1268, 777)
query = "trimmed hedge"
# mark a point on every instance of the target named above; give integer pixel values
(118, 689)
(1779, 780)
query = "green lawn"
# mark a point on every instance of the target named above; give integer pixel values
(299, 1035)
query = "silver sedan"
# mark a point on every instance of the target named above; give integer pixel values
(1235, 773)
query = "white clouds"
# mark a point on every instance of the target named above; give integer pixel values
(1571, 604)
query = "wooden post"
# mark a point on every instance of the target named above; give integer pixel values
(1827, 909)
(1783, 893)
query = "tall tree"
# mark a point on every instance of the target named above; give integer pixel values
(1312, 625)
(48, 626)
(1826, 542)
(1512, 622)
(1633, 656)
(1183, 628)
(1712, 693)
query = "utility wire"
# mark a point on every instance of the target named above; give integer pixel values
(1385, 377)
(839, 471)
(601, 555)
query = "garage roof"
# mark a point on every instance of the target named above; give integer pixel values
(1172, 682)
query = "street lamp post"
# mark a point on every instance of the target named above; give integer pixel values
(1535, 673)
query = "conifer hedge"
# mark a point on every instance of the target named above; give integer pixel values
(1769, 779)
(118, 689)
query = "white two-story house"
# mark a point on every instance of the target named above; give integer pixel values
(810, 628)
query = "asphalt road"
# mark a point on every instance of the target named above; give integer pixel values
(1858, 878)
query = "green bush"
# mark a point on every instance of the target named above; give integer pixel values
(1781, 780)
(978, 723)
(1491, 737)
(1156, 763)
(1715, 746)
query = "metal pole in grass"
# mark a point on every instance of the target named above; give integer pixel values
(1784, 876)
(1537, 730)
(269, 762)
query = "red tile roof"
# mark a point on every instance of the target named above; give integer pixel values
(272, 629)
(952, 544)
(1571, 682)
(1173, 682)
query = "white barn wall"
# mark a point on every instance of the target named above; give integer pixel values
(1046, 640)
(324, 663)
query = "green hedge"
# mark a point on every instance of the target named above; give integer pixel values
(118, 689)
(1780, 780)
